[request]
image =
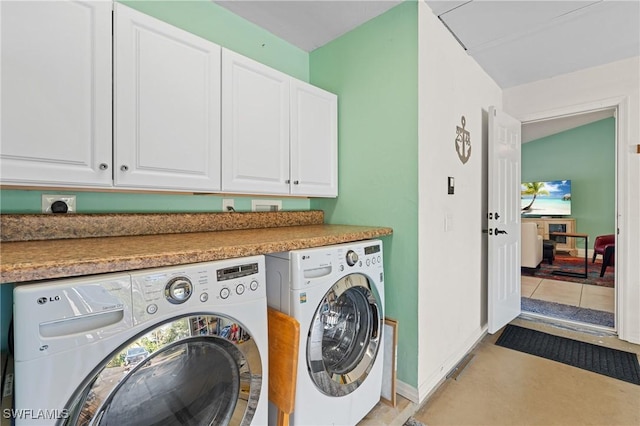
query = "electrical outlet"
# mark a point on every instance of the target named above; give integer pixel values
(228, 205)
(49, 199)
(266, 205)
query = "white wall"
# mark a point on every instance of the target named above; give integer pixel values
(452, 291)
(602, 86)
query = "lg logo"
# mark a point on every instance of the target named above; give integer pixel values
(43, 300)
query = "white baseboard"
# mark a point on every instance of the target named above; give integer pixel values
(407, 391)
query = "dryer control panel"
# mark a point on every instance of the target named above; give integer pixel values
(197, 287)
(359, 256)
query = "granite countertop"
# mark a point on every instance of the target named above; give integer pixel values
(56, 258)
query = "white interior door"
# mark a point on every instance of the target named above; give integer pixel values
(504, 219)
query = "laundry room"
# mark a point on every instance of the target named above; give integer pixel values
(168, 186)
(111, 338)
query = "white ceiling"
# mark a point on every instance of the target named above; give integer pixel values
(514, 41)
(517, 42)
(540, 129)
(308, 24)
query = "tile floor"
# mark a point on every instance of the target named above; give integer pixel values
(568, 293)
(504, 387)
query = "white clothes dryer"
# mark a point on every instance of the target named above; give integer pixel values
(337, 295)
(183, 345)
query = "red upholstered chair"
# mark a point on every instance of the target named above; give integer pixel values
(601, 242)
(609, 258)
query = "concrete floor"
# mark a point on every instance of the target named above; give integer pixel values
(505, 387)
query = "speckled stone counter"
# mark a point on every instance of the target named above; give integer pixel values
(28, 227)
(39, 260)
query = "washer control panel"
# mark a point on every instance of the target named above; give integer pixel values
(197, 287)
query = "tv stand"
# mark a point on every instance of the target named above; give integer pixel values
(563, 225)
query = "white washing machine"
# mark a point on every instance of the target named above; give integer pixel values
(337, 295)
(182, 345)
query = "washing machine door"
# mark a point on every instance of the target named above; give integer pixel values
(345, 336)
(193, 370)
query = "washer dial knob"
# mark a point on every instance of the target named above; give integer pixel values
(178, 290)
(352, 258)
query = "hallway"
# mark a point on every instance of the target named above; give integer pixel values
(501, 386)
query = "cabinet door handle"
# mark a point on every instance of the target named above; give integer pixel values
(288, 181)
(124, 167)
(104, 166)
(295, 182)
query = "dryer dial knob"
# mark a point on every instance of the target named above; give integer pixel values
(352, 258)
(178, 290)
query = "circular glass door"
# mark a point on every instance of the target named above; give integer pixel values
(196, 370)
(345, 335)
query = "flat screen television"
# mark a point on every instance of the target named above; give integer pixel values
(546, 198)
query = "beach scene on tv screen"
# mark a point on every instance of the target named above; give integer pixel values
(546, 198)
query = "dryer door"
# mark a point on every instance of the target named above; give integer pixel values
(192, 370)
(345, 336)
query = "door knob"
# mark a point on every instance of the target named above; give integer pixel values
(499, 231)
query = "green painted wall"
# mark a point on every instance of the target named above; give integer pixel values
(374, 71)
(586, 156)
(6, 311)
(29, 201)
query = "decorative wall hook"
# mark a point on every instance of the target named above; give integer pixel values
(463, 142)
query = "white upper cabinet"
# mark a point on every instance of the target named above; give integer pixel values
(167, 106)
(314, 141)
(56, 93)
(177, 113)
(255, 127)
(279, 134)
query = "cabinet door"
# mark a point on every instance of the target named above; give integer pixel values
(56, 93)
(314, 141)
(255, 127)
(167, 106)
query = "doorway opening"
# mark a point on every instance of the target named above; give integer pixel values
(580, 147)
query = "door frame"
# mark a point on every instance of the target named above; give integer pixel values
(620, 105)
